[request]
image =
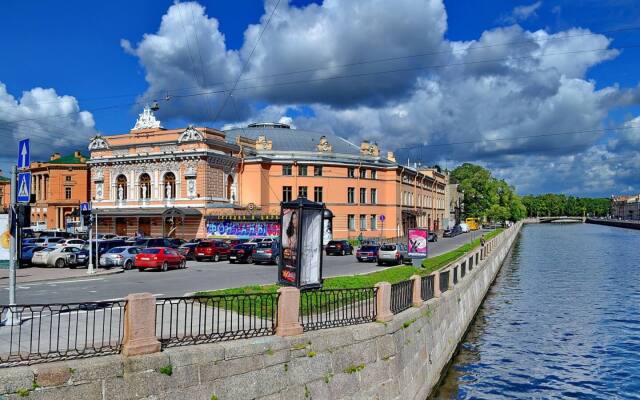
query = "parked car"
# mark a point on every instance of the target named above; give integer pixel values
(47, 241)
(213, 250)
(155, 242)
(393, 254)
(188, 250)
(70, 242)
(367, 253)
(432, 237)
(27, 253)
(103, 246)
(266, 252)
(106, 236)
(455, 231)
(242, 253)
(339, 247)
(465, 228)
(82, 257)
(58, 257)
(119, 257)
(161, 258)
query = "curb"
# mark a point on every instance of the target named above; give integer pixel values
(73, 278)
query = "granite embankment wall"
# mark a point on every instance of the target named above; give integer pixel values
(613, 222)
(399, 359)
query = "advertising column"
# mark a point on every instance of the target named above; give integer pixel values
(417, 245)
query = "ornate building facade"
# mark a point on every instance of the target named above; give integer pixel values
(162, 182)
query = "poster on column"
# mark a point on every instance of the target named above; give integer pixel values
(5, 238)
(417, 243)
(290, 237)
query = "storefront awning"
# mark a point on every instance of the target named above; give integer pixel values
(147, 212)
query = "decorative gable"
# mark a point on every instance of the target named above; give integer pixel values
(98, 143)
(324, 146)
(191, 134)
(146, 120)
(369, 149)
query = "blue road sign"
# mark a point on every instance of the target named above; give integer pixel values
(381, 218)
(24, 187)
(85, 207)
(24, 155)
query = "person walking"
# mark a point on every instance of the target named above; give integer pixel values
(482, 241)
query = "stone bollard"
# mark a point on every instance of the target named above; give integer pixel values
(416, 300)
(288, 312)
(140, 325)
(436, 284)
(383, 302)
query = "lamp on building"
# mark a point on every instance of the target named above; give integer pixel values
(155, 106)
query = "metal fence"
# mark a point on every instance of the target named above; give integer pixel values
(426, 287)
(444, 281)
(401, 296)
(45, 332)
(202, 319)
(328, 308)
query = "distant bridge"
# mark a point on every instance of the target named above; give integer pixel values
(563, 218)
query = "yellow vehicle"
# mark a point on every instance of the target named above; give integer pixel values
(473, 223)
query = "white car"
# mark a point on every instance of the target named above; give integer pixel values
(71, 242)
(465, 228)
(58, 257)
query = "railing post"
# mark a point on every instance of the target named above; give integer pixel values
(140, 325)
(288, 312)
(416, 299)
(436, 283)
(383, 302)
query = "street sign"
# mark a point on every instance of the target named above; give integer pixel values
(382, 218)
(24, 187)
(85, 207)
(24, 155)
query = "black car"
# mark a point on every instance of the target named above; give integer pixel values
(242, 253)
(457, 230)
(267, 252)
(105, 245)
(368, 253)
(339, 247)
(143, 243)
(188, 250)
(432, 237)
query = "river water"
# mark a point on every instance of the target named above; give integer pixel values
(561, 321)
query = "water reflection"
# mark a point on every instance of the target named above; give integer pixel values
(561, 320)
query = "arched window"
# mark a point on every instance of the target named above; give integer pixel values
(169, 186)
(121, 187)
(145, 186)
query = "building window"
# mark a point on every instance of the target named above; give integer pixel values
(374, 222)
(302, 191)
(351, 172)
(374, 174)
(363, 196)
(67, 193)
(302, 170)
(351, 195)
(286, 193)
(374, 196)
(317, 194)
(286, 170)
(351, 222)
(363, 222)
(363, 173)
(317, 170)
(67, 178)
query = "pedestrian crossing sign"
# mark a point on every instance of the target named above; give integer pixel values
(24, 187)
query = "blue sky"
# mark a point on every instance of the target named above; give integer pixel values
(76, 49)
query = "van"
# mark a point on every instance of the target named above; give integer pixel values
(473, 223)
(464, 227)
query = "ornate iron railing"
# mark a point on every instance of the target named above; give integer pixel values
(426, 287)
(47, 332)
(401, 296)
(204, 319)
(328, 308)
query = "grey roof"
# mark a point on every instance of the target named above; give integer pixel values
(294, 139)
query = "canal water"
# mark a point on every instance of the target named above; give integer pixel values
(561, 321)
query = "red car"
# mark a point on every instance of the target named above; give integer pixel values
(213, 250)
(161, 258)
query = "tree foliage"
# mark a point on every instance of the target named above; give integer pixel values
(486, 196)
(553, 205)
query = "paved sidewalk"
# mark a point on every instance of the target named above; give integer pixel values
(37, 274)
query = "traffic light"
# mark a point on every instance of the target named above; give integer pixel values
(23, 216)
(87, 219)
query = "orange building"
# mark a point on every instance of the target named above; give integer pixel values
(5, 193)
(370, 195)
(59, 186)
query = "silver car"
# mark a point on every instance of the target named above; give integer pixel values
(123, 256)
(395, 254)
(58, 257)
